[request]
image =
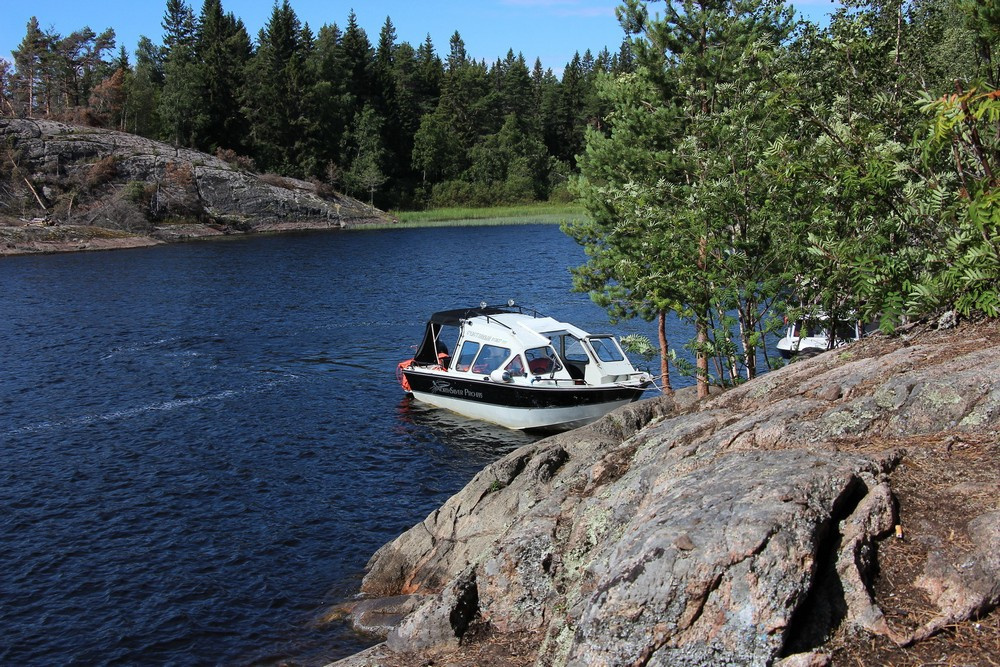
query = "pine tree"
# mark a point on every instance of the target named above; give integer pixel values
(28, 83)
(358, 58)
(457, 57)
(80, 65)
(178, 25)
(366, 173)
(143, 90)
(6, 100)
(516, 91)
(385, 99)
(427, 78)
(570, 121)
(659, 188)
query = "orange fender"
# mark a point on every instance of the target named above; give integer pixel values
(401, 377)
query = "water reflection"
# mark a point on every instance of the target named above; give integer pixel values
(469, 437)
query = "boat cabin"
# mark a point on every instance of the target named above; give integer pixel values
(508, 345)
(519, 369)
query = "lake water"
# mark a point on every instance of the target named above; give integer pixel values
(202, 444)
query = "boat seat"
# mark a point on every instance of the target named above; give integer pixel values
(540, 366)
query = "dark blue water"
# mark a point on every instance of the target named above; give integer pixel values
(202, 444)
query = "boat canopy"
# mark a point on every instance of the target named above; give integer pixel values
(518, 327)
(431, 347)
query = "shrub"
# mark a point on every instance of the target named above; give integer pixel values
(177, 194)
(101, 172)
(242, 162)
(138, 192)
(964, 271)
(278, 181)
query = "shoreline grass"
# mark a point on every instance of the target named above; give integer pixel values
(527, 214)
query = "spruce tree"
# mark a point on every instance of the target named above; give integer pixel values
(223, 50)
(279, 81)
(181, 107)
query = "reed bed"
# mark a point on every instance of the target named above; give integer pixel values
(485, 217)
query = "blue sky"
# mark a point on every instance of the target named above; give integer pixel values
(548, 29)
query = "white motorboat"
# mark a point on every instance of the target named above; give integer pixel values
(812, 336)
(517, 368)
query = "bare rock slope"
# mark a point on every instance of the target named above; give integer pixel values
(846, 501)
(92, 188)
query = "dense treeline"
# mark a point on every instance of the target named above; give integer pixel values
(390, 122)
(750, 166)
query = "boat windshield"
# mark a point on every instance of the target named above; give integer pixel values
(490, 358)
(542, 360)
(803, 329)
(606, 348)
(516, 367)
(467, 354)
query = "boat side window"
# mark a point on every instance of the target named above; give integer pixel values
(490, 358)
(542, 360)
(465, 357)
(515, 367)
(572, 349)
(606, 349)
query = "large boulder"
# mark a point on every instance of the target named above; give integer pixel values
(742, 530)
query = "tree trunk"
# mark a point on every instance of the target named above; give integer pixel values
(664, 352)
(701, 357)
(747, 327)
(701, 327)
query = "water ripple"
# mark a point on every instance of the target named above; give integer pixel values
(160, 406)
(202, 444)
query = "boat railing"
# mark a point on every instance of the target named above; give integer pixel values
(510, 307)
(556, 381)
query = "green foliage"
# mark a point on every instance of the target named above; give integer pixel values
(639, 344)
(875, 209)
(223, 48)
(55, 75)
(135, 192)
(965, 273)
(681, 191)
(367, 154)
(730, 169)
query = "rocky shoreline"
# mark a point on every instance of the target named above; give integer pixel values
(20, 238)
(70, 188)
(844, 509)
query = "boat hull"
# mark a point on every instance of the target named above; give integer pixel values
(791, 346)
(519, 406)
